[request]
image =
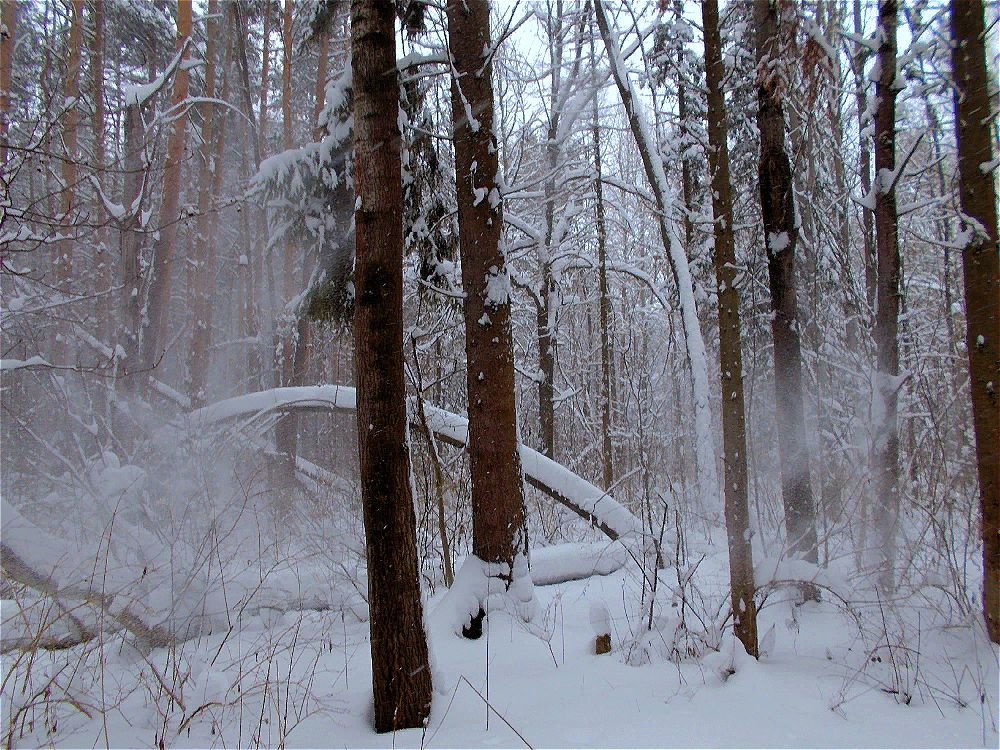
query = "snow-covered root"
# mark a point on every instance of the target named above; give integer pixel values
(483, 587)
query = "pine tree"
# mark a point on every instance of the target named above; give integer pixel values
(497, 489)
(400, 668)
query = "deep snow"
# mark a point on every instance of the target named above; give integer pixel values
(304, 679)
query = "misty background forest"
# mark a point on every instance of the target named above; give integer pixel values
(519, 373)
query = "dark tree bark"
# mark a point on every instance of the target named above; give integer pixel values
(780, 237)
(730, 343)
(130, 239)
(981, 264)
(70, 126)
(548, 297)
(607, 450)
(495, 465)
(885, 446)
(400, 668)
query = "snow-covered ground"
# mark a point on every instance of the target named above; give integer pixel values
(829, 678)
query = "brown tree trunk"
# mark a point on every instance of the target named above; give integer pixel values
(607, 450)
(885, 442)
(400, 668)
(105, 270)
(8, 17)
(130, 243)
(201, 254)
(71, 119)
(495, 465)
(981, 264)
(158, 305)
(780, 237)
(734, 444)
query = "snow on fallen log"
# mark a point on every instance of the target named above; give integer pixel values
(163, 598)
(574, 492)
(575, 561)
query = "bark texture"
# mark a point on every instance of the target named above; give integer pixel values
(71, 120)
(105, 263)
(730, 344)
(495, 466)
(202, 252)
(885, 446)
(400, 669)
(158, 304)
(780, 237)
(604, 301)
(8, 18)
(981, 264)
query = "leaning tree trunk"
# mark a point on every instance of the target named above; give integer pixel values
(495, 465)
(885, 442)
(734, 438)
(981, 264)
(780, 235)
(158, 304)
(400, 669)
(652, 162)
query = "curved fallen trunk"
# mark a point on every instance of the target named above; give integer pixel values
(568, 489)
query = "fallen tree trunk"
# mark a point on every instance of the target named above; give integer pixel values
(585, 499)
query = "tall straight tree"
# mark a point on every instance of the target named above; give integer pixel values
(497, 486)
(8, 19)
(885, 446)
(286, 431)
(734, 438)
(71, 92)
(105, 278)
(202, 252)
(777, 205)
(604, 301)
(981, 265)
(158, 304)
(400, 668)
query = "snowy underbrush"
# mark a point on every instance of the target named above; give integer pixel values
(825, 678)
(141, 556)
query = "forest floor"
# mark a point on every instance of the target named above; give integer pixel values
(827, 678)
